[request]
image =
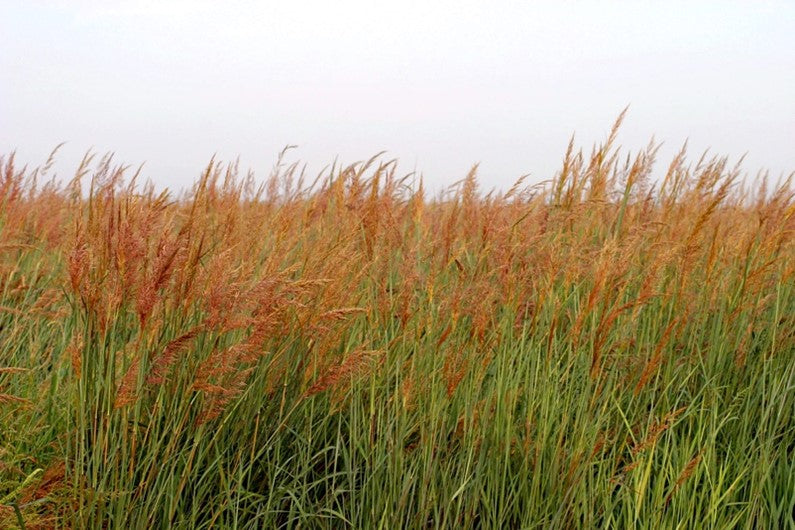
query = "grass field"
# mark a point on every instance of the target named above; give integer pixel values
(601, 350)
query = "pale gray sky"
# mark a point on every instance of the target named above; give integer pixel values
(438, 84)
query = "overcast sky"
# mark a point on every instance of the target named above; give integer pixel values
(438, 84)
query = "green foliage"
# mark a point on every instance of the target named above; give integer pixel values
(589, 354)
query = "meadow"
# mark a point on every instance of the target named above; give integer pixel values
(600, 350)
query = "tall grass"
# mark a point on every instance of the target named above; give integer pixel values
(598, 350)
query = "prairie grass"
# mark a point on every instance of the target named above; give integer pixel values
(601, 350)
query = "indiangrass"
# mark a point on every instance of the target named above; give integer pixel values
(603, 350)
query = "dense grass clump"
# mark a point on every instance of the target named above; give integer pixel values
(599, 351)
